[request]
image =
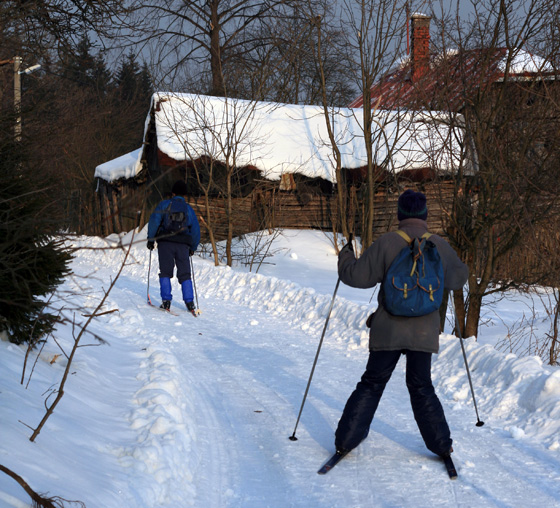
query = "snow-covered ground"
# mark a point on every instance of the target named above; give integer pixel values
(175, 411)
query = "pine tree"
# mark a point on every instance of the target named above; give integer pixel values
(86, 69)
(127, 78)
(132, 100)
(145, 86)
(33, 262)
(134, 83)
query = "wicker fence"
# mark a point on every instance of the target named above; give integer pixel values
(125, 207)
(276, 209)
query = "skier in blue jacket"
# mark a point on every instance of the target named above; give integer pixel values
(175, 228)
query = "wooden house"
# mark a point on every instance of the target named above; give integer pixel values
(273, 162)
(507, 100)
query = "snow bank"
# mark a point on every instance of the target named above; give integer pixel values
(164, 446)
(302, 307)
(520, 394)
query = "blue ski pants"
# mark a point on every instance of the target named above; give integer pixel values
(360, 408)
(171, 255)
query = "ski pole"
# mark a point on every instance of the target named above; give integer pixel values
(479, 423)
(149, 270)
(194, 285)
(293, 436)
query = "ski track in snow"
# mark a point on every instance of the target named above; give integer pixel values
(217, 398)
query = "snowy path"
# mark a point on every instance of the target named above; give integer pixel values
(245, 370)
(184, 412)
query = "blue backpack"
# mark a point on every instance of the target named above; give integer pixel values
(413, 285)
(175, 219)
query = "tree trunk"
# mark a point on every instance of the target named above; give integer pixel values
(229, 219)
(218, 84)
(210, 229)
(459, 303)
(554, 343)
(473, 314)
(367, 221)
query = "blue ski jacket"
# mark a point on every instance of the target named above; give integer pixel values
(191, 235)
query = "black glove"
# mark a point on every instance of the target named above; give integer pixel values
(191, 252)
(150, 245)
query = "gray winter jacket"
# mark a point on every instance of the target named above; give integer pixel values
(390, 332)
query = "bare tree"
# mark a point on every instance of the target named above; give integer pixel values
(203, 36)
(376, 30)
(39, 501)
(554, 334)
(217, 138)
(38, 26)
(341, 220)
(507, 100)
(286, 69)
(235, 140)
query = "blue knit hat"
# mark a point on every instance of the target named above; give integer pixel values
(412, 205)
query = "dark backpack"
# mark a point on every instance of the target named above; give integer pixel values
(174, 220)
(413, 285)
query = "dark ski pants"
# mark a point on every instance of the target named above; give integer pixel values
(360, 408)
(171, 255)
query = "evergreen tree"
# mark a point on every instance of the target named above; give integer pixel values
(32, 261)
(127, 78)
(134, 83)
(132, 100)
(86, 69)
(145, 86)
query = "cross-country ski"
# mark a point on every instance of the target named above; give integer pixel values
(160, 308)
(333, 461)
(450, 466)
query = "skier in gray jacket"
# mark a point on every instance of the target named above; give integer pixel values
(391, 336)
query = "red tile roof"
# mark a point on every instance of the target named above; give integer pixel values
(451, 80)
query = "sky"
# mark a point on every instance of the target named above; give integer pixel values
(173, 410)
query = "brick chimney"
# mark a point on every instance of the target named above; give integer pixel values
(420, 47)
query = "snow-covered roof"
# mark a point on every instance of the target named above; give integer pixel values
(286, 138)
(125, 166)
(523, 62)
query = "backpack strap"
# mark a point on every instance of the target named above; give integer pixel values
(407, 238)
(404, 236)
(409, 241)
